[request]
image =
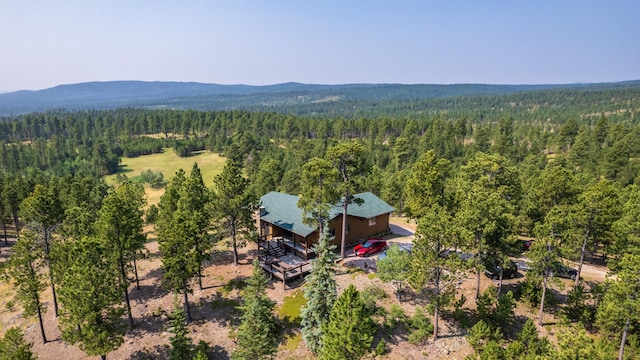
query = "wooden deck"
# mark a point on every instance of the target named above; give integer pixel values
(284, 267)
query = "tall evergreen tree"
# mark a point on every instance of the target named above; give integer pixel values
(435, 234)
(487, 191)
(92, 306)
(44, 209)
(179, 259)
(195, 198)
(233, 205)
(320, 293)
(619, 311)
(592, 219)
(348, 158)
(26, 268)
(257, 334)
(317, 192)
(349, 332)
(176, 237)
(545, 251)
(121, 224)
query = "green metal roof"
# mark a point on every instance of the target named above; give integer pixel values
(282, 210)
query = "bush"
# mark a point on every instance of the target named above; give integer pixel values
(420, 327)
(381, 348)
(396, 316)
(370, 296)
(152, 214)
(480, 334)
(459, 314)
(530, 292)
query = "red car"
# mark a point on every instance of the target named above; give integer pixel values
(370, 247)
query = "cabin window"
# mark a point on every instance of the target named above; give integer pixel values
(372, 221)
(332, 232)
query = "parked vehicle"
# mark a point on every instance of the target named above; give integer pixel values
(492, 269)
(403, 247)
(564, 271)
(370, 247)
(462, 255)
(526, 244)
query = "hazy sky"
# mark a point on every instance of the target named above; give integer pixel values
(46, 43)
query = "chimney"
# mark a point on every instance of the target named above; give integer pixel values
(263, 211)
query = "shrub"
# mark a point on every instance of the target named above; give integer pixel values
(420, 327)
(381, 348)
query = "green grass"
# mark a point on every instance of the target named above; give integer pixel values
(291, 306)
(291, 342)
(168, 163)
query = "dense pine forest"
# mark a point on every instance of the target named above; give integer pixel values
(475, 172)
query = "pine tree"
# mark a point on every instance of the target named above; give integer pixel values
(25, 267)
(257, 334)
(233, 205)
(181, 346)
(487, 190)
(349, 332)
(14, 347)
(348, 158)
(317, 192)
(620, 308)
(120, 224)
(92, 306)
(44, 209)
(319, 293)
(176, 236)
(435, 234)
(195, 198)
(179, 260)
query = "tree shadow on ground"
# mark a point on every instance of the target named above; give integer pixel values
(157, 352)
(218, 309)
(146, 293)
(5, 248)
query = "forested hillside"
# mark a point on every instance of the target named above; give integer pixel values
(473, 171)
(349, 100)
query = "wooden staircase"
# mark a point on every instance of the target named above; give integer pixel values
(276, 251)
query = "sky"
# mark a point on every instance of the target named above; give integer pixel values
(45, 43)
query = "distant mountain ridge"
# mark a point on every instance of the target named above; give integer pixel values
(193, 95)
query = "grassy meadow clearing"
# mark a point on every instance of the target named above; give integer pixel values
(168, 163)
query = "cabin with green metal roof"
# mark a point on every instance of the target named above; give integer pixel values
(281, 218)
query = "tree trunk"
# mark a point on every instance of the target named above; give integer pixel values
(199, 272)
(343, 242)
(135, 271)
(436, 312)
(500, 281)
(36, 298)
(477, 283)
(624, 339)
(53, 292)
(47, 260)
(4, 231)
(478, 253)
(125, 285)
(544, 293)
(15, 224)
(235, 246)
(583, 250)
(187, 311)
(44, 337)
